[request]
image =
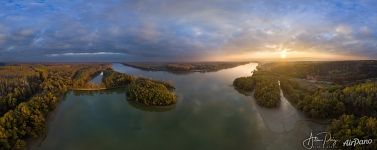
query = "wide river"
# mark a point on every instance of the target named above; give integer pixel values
(210, 115)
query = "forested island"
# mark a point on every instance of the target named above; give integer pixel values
(144, 91)
(244, 85)
(29, 92)
(150, 93)
(344, 91)
(175, 67)
(265, 87)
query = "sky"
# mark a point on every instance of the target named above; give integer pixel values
(187, 30)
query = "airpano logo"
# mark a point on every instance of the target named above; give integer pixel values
(355, 142)
(324, 140)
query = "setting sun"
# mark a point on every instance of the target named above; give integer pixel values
(283, 54)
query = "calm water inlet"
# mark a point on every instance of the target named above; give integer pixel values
(209, 115)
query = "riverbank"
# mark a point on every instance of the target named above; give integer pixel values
(34, 143)
(91, 89)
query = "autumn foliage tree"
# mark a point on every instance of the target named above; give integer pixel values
(150, 93)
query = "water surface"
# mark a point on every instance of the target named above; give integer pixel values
(209, 115)
(97, 79)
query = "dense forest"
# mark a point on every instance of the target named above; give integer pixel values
(150, 93)
(82, 77)
(144, 91)
(17, 83)
(349, 127)
(265, 87)
(244, 84)
(316, 103)
(112, 79)
(359, 99)
(340, 72)
(267, 92)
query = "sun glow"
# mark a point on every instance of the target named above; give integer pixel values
(283, 54)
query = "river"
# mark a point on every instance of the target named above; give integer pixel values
(209, 115)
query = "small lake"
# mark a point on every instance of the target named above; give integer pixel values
(209, 115)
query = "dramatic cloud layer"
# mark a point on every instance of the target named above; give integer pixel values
(171, 30)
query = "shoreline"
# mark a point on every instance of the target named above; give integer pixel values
(88, 89)
(34, 143)
(95, 89)
(164, 67)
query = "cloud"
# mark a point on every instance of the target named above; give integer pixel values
(85, 54)
(342, 29)
(183, 30)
